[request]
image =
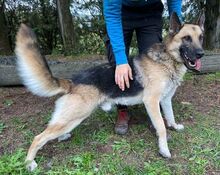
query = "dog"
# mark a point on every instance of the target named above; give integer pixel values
(157, 74)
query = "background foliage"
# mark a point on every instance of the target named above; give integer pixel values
(88, 21)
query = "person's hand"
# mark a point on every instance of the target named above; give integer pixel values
(123, 73)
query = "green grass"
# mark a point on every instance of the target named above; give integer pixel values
(94, 149)
(213, 77)
(208, 77)
(8, 102)
(2, 127)
(189, 76)
(196, 150)
(14, 164)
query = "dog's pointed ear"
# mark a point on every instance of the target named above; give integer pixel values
(175, 24)
(201, 20)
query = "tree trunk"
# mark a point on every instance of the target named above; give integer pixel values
(5, 48)
(49, 17)
(212, 24)
(66, 25)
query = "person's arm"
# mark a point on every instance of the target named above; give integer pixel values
(175, 6)
(113, 20)
(112, 14)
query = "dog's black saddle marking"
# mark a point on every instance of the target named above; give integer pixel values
(103, 78)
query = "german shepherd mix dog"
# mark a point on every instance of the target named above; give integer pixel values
(157, 74)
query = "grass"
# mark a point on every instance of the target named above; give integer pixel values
(94, 149)
(8, 102)
(2, 127)
(209, 77)
(213, 77)
(195, 151)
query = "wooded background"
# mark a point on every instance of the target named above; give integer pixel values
(77, 26)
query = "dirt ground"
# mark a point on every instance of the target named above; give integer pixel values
(18, 102)
(23, 115)
(17, 105)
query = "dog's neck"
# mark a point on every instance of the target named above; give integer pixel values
(160, 54)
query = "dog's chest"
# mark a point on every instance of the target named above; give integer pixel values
(173, 82)
(170, 87)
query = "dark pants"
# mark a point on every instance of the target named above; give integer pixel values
(146, 22)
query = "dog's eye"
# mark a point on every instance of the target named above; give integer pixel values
(187, 38)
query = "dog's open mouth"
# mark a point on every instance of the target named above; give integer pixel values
(192, 64)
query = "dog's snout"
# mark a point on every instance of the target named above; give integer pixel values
(199, 53)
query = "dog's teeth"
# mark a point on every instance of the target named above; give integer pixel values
(192, 65)
(186, 57)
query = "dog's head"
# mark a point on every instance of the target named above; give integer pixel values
(185, 41)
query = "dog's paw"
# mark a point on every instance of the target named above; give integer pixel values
(31, 165)
(175, 126)
(165, 153)
(178, 127)
(64, 137)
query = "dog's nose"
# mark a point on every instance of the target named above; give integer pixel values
(199, 53)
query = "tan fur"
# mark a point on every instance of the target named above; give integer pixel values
(160, 71)
(31, 59)
(173, 43)
(71, 110)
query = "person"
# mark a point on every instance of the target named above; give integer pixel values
(122, 18)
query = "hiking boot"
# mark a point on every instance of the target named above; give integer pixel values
(121, 126)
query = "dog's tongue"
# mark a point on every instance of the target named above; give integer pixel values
(198, 64)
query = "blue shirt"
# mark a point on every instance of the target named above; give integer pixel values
(113, 20)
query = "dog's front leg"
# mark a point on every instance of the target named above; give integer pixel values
(166, 104)
(153, 109)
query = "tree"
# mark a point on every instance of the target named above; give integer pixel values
(40, 15)
(212, 24)
(193, 8)
(47, 26)
(66, 25)
(5, 48)
(89, 26)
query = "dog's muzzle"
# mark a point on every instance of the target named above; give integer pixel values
(192, 60)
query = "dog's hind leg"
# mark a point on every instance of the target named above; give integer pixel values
(51, 132)
(70, 111)
(152, 106)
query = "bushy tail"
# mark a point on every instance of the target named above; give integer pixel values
(33, 68)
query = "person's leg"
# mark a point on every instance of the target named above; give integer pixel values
(121, 125)
(150, 33)
(128, 33)
(147, 35)
(109, 51)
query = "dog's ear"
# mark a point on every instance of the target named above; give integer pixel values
(175, 24)
(201, 20)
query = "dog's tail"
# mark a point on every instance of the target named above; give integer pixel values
(33, 68)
